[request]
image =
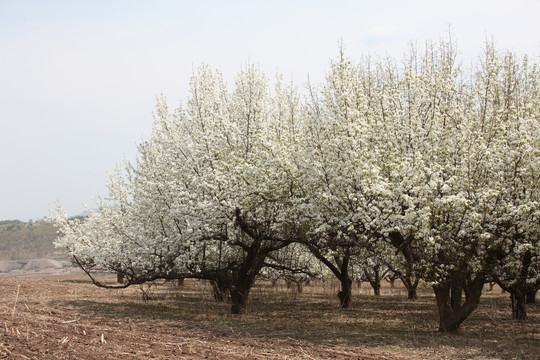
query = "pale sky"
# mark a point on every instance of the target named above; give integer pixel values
(79, 79)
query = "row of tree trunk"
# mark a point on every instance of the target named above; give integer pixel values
(235, 283)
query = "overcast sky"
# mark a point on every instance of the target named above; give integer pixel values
(79, 79)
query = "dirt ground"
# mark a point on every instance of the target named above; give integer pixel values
(43, 318)
(37, 325)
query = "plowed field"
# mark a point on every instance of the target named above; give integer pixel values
(69, 318)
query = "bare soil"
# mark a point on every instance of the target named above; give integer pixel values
(66, 317)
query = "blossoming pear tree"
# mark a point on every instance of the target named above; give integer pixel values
(451, 200)
(341, 179)
(511, 93)
(207, 196)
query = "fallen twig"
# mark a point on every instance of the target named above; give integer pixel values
(16, 300)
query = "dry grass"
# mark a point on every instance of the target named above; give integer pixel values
(68, 318)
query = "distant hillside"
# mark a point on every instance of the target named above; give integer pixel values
(23, 241)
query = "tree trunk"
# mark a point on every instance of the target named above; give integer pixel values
(346, 290)
(239, 297)
(243, 282)
(411, 286)
(450, 315)
(411, 293)
(376, 285)
(252, 263)
(519, 310)
(340, 270)
(221, 284)
(288, 282)
(219, 290)
(531, 296)
(411, 258)
(520, 291)
(374, 280)
(244, 277)
(120, 277)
